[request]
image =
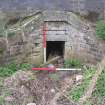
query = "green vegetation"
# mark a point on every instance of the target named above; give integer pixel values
(10, 34)
(99, 93)
(88, 102)
(100, 86)
(25, 66)
(9, 69)
(100, 29)
(1, 51)
(78, 91)
(2, 100)
(2, 33)
(72, 63)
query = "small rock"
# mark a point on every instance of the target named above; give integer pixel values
(79, 77)
(31, 104)
(52, 90)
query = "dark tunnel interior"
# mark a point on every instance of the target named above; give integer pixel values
(55, 48)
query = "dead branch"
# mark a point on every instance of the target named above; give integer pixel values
(50, 61)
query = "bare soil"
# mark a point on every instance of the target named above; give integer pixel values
(43, 89)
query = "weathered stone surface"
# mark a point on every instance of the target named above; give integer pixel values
(55, 16)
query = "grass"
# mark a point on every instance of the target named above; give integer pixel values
(88, 102)
(100, 86)
(25, 66)
(8, 70)
(2, 33)
(2, 101)
(72, 63)
(78, 91)
(1, 51)
(99, 93)
(10, 34)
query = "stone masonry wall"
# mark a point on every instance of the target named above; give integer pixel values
(25, 43)
(84, 45)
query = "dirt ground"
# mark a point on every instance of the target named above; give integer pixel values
(43, 88)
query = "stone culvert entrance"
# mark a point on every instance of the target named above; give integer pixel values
(55, 48)
(56, 38)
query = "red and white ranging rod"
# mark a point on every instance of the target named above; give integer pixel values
(56, 69)
(44, 41)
